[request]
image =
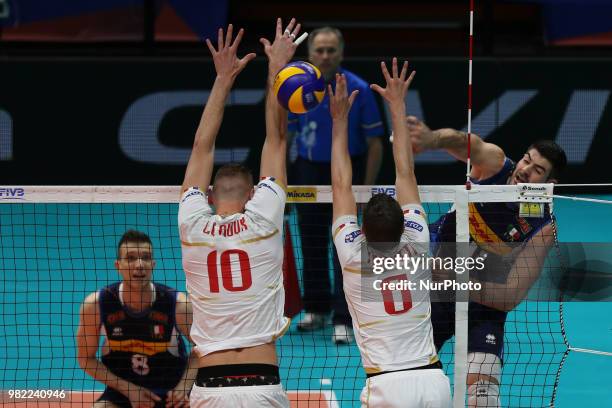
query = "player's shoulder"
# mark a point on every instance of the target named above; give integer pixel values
(91, 303)
(270, 182)
(92, 298)
(165, 289)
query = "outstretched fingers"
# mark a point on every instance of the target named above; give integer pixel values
(290, 26)
(279, 27)
(385, 71)
(229, 34)
(238, 39)
(220, 39)
(353, 96)
(404, 71)
(296, 31)
(377, 88)
(394, 67)
(409, 80)
(210, 47)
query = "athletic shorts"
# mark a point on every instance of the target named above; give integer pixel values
(407, 389)
(237, 386)
(239, 397)
(485, 327)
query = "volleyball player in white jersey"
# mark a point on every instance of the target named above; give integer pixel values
(395, 339)
(233, 252)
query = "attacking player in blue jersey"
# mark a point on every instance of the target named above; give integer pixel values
(143, 360)
(499, 231)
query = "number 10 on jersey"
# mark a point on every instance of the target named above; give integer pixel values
(229, 260)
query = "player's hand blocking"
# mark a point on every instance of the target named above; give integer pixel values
(227, 63)
(281, 50)
(340, 103)
(397, 85)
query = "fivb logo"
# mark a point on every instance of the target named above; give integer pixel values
(9, 193)
(390, 191)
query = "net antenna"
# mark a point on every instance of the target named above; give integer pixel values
(463, 235)
(468, 183)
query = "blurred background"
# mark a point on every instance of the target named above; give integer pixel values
(110, 91)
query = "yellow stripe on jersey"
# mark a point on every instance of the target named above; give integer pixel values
(483, 235)
(283, 330)
(148, 348)
(206, 244)
(372, 323)
(250, 241)
(352, 270)
(372, 370)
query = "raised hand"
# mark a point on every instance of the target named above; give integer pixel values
(397, 84)
(340, 103)
(281, 50)
(227, 63)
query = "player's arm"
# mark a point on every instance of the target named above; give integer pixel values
(394, 95)
(179, 396)
(486, 158)
(279, 53)
(228, 66)
(87, 338)
(525, 271)
(341, 168)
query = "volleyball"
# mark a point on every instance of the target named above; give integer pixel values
(299, 87)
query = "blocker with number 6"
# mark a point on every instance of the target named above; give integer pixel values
(299, 87)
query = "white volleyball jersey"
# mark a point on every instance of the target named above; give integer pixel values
(392, 327)
(233, 268)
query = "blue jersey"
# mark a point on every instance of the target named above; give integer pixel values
(313, 129)
(144, 348)
(497, 228)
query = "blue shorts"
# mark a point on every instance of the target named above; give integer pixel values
(485, 327)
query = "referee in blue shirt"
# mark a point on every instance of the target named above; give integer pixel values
(312, 132)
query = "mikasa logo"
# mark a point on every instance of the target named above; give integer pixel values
(302, 194)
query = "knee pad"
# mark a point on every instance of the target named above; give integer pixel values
(485, 364)
(483, 394)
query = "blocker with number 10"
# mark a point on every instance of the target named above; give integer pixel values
(299, 87)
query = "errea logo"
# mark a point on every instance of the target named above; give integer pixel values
(10, 193)
(490, 339)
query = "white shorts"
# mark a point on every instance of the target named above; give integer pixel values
(239, 397)
(407, 389)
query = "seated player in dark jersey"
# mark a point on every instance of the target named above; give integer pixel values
(143, 362)
(524, 241)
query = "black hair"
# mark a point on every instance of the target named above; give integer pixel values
(132, 236)
(383, 219)
(553, 153)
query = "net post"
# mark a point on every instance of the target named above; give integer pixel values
(462, 297)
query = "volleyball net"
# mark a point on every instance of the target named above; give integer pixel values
(59, 244)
